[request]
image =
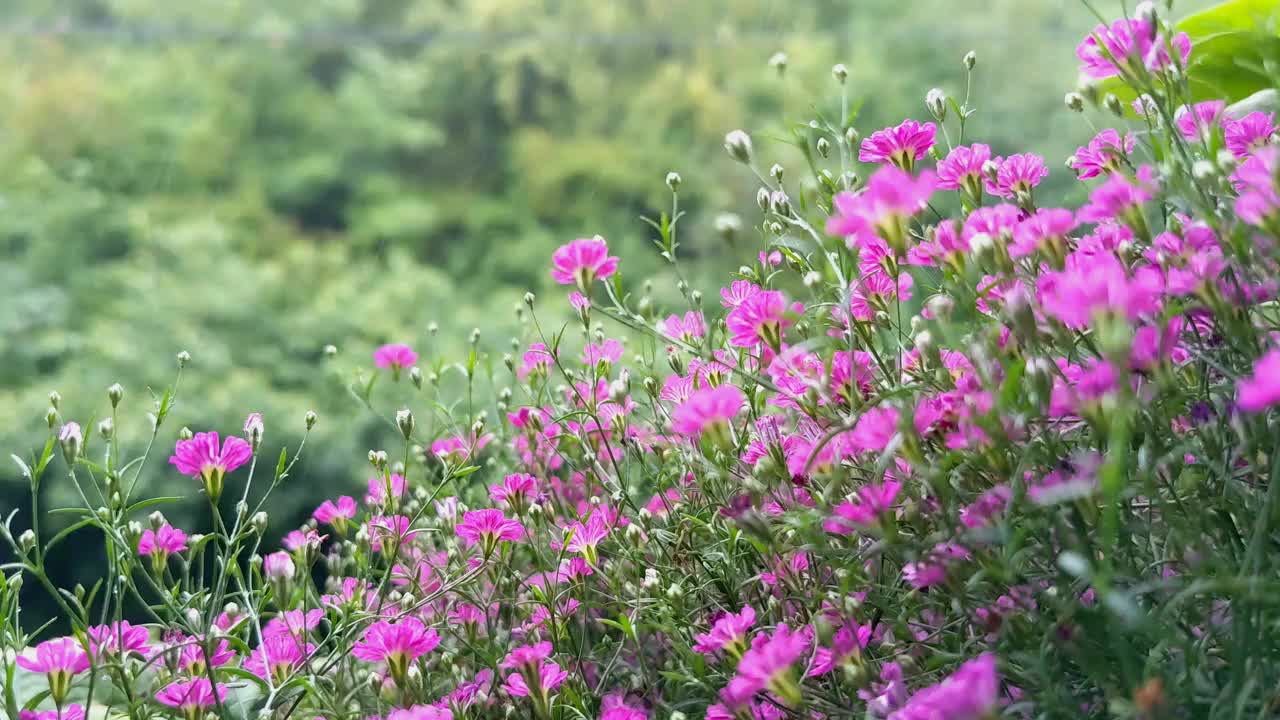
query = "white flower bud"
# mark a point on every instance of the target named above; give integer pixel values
(184, 357)
(404, 421)
(970, 59)
(936, 101)
(823, 146)
(1074, 101)
(115, 393)
(738, 144)
(778, 61)
(310, 419)
(673, 181)
(840, 72)
(27, 540)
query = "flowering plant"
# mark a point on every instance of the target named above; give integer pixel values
(942, 452)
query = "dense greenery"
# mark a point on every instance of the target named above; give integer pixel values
(252, 181)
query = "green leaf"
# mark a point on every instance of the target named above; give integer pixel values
(143, 504)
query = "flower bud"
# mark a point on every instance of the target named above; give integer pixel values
(940, 306)
(404, 421)
(778, 61)
(106, 428)
(762, 198)
(840, 72)
(673, 181)
(738, 144)
(27, 540)
(330, 351)
(936, 101)
(156, 520)
(310, 419)
(779, 203)
(1074, 102)
(823, 146)
(1113, 104)
(72, 441)
(184, 357)
(51, 417)
(55, 399)
(115, 393)
(727, 226)
(259, 521)
(253, 430)
(776, 172)
(970, 59)
(15, 582)
(415, 376)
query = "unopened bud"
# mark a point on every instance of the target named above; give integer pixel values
(330, 351)
(404, 421)
(259, 521)
(970, 59)
(776, 172)
(106, 428)
(727, 226)
(51, 417)
(673, 181)
(184, 357)
(27, 540)
(310, 419)
(1074, 101)
(840, 72)
(824, 147)
(778, 61)
(72, 440)
(156, 520)
(114, 393)
(936, 101)
(762, 198)
(55, 399)
(738, 144)
(415, 376)
(1113, 105)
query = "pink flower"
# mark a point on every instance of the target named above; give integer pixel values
(163, 542)
(306, 540)
(1261, 390)
(1049, 226)
(759, 318)
(881, 210)
(707, 409)
(526, 656)
(293, 623)
(278, 657)
(1196, 122)
(191, 696)
(396, 357)
(583, 539)
(1128, 44)
(201, 458)
(962, 169)
(516, 490)
(106, 641)
(1020, 174)
(1104, 154)
(738, 291)
(688, 328)
(60, 660)
(873, 501)
(730, 631)
(382, 488)
(932, 569)
(615, 707)
(1258, 203)
(336, 514)
(278, 567)
(535, 362)
(69, 712)
(971, 693)
(548, 677)
(1250, 133)
(990, 504)
(393, 531)
(582, 262)
(1065, 485)
(767, 663)
(608, 352)
(396, 644)
(902, 145)
(488, 527)
(1119, 196)
(420, 712)
(1092, 284)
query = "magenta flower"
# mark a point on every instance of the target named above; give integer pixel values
(192, 697)
(526, 656)
(488, 527)
(873, 501)
(394, 531)
(983, 510)
(582, 262)
(1020, 174)
(201, 458)
(1261, 390)
(687, 329)
(971, 693)
(384, 487)
(1104, 154)
(728, 633)
(1258, 203)
(278, 657)
(737, 292)
(60, 660)
(606, 353)
(1250, 133)
(583, 539)
(1048, 227)
(1196, 122)
(902, 145)
(932, 569)
(396, 644)
(107, 641)
(547, 677)
(1098, 283)
(759, 318)
(709, 409)
(394, 357)
(69, 712)
(278, 567)
(962, 169)
(516, 490)
(293, 623)
(1065, 485)
(163, 542)
(767, 665)
(1127, 45)
(336, 515)
(880, 211)
(420, 712)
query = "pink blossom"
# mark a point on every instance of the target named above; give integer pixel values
(516, 490)
(1047, 226)
(1064, 485)
(1119, 196)
(395, 356)
(305, 540)
(163, 542)
(583, 539)
(1258, 203)
(738, 291)
(488, 527)
(582, 262)
(1128, 43)
(63, 656)
(390, 530)
(293, 623)
(729, 631)
(768, 661)
(278, 567)
(759, 318)
(1250, 133)
(535, 362)
(1092, 284)
(117, 639)
(608, 352)
(336, 514)
(526, 656)
(932, 569)
(201, 458)
(278, 657)
(1261, 390)
(971, 693)
(902, 145)
(191, 695)
(396, 644)
(548, 677)
(873, 501)
(881, 210)
(1196, 122)
(69, 712)
(962, 168)
(1020, 174)
(420, 712)
(707, 408)
(384, 487)
(1104, 154)
(990, 504)
(688, 328)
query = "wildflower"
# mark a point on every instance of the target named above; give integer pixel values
(383, 488)
(394, 357)
(881, 210)
(758, 318)
(253, 430)
(60, 660)
(986, 507)
(767, 665)
(1045, 231)
(516, 490)
(1127, 45)
(336, 515)
(873, 501)
(962, 169)
(293, 623)
(71, 437)
(395, 531)
(1093, 284)
(729, 633)
(1258, 203)
(615, 707)
(845, 643)
(1250, 133)
(200, 457)
(547, 677)
(488, 527)
(604, 354)
(709, 411)
(160, 544)
(1019, 175)
(737, 292)
(582, 262)
(902, 145)
(1196, 122)
(583, 539)
(536, 362)
(971, 693)
(278, 657)
(193, 697)
(932, 569)
(278, 566)
(117, 639)
(1105, 154)
(68, 712)
(420, 712)
(1064, 485)
(396, 644)
(1261, 390)
(685, 329)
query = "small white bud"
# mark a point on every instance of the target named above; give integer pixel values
(840, 72)
(738, 144)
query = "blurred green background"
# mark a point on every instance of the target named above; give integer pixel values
(250, 181)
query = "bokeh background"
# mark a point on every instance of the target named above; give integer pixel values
(250, 181)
